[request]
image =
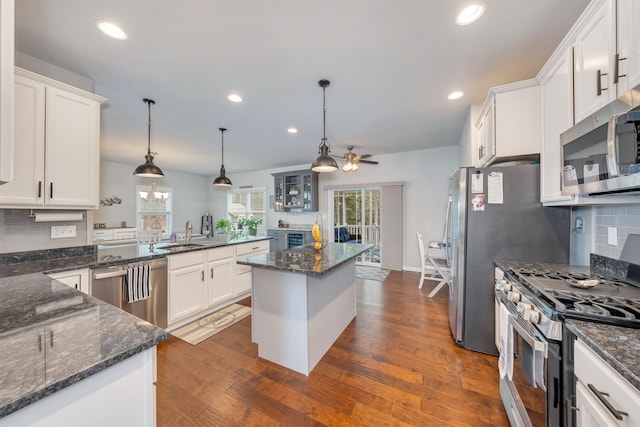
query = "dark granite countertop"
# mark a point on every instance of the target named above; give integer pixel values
(305, 259)
(618, 346)
(64, 259)
(95, 334)
(92, 335)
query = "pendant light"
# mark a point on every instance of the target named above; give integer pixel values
(324, 162)
(148, 169)
(222, 180)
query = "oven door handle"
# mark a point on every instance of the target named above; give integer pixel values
(531, 339)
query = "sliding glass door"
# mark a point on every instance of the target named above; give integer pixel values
(358, 211)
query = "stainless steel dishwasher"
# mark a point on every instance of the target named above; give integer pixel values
(108, 285)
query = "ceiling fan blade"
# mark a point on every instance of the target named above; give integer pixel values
(372, 162)
(365, 156)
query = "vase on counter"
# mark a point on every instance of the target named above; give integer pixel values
(253, 231)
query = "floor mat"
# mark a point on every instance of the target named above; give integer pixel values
(201, 329)
(371, 273)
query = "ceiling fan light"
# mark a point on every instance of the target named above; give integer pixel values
(148, 169)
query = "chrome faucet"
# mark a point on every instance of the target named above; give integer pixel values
(188, 233)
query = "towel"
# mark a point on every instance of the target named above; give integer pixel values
(137, 285)
(528, 361)
(505, 360)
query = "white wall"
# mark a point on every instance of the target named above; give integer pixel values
(425, 174)
(190, 194)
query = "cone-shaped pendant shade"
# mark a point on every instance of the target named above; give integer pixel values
(222, 180)
(148, 169)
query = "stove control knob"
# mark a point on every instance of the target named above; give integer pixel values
(513, 296)
(523, 307)
(532, 316)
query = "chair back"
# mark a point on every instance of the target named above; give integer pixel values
(420, 245)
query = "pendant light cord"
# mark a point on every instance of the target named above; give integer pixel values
(222, 133)
(324, 116)
(149, 102)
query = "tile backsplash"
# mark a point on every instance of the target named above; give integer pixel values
(625, 218)
(19, 233)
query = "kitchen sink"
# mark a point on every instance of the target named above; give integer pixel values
(179, 246)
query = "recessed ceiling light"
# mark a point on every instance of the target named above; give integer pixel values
(471, 13)
(455, 95)
(234, 98)
(292, 130)
(112, 30)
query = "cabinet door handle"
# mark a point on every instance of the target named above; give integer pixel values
(616, 68)
(51, 338)
(39, 189)
(39, 343)
(202, 278)
(212, 272)
(51, 190)
(599, 87)
(602, 397)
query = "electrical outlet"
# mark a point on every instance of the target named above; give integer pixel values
(63, 231)
(612, 237)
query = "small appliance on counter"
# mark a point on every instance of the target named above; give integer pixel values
(206, 225)
(115, 236)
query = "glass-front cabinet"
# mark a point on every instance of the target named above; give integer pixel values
(297, 190)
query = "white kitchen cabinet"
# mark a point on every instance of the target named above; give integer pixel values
(508, 127)
(187, 285)
(244, 276)
(592, 374)
(556, 85)
(77, 279)
(221, 272)
(57, 145)
(606, 55)
(7, 164)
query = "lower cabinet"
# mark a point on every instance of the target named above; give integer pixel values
(244, 279)
(603, 397)
(201, 281)
(78, 279)
(221, 272)
(187, 287)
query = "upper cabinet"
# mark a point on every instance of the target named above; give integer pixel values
(606, 54)
(297, 190)
(57, 145)
(6, 89)
(591, 67)
(508, 127)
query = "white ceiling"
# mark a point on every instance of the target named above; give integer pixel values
(391, 64)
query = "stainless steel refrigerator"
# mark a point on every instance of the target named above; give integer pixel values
(496, 212)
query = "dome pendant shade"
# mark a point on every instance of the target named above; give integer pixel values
(148, 169)
(222, 180)
(324, 162)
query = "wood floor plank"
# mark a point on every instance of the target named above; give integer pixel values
(395, 364)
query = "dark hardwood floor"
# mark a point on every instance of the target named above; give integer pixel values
(395, 364)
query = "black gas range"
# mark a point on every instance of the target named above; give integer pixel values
(537, 298)
(582, 295)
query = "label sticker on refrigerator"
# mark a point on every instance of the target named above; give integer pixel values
(495, 189)
(477, 184)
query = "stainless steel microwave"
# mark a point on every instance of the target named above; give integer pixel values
(601, 154)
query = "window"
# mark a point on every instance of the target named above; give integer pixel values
(154, 206)
(250, 202)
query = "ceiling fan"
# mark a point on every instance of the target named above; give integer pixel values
(352, 159)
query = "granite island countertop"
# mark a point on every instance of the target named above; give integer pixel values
(38, 312)
(305, 259)
(618, 346)
(96, 335)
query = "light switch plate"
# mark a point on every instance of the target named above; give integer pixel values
(612, 237)
(63, 231)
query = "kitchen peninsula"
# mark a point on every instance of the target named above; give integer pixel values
(302, 300)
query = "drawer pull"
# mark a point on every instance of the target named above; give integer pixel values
(599, 87)
(602, 397)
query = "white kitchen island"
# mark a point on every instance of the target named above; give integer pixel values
(302, 300)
